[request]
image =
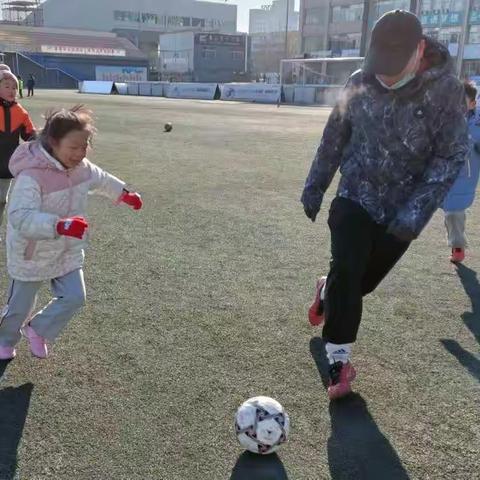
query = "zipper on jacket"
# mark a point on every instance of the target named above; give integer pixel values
(8, 118)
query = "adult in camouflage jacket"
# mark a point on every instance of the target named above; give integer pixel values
(399, 137)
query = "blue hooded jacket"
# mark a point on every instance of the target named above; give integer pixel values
(462, 194)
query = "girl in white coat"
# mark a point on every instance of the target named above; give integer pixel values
(46, 228)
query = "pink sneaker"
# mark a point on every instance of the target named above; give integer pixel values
(7, 353)
(458, 255)
(341, 374)
(315, 312)
(38, 346)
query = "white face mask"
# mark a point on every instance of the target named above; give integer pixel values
(403, 81)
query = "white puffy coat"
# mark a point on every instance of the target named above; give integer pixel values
(43, 193)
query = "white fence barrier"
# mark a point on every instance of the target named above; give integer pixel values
(247, 92)
(103, 88)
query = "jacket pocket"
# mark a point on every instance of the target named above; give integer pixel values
(29, 249)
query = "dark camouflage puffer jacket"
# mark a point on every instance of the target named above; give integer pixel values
(400, 151)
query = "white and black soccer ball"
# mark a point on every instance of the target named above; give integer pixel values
(261, 425)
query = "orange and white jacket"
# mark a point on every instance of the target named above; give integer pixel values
(43, 193)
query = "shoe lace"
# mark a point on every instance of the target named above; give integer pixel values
(335, 371)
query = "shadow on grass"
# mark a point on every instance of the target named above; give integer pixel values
(3, 367)
(469, 361)
(357, 449)
(14, 403)
(251, 466)
(470, 283)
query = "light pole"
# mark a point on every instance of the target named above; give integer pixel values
(286, 29)
(365, 23)
(463, 37)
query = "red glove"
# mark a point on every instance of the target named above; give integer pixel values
(133, 200)
(72, 227)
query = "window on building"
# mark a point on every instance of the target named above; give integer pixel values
(138, 17)
(387, 5)
(314, 44)
(348, 13)
(348, 41)
(449, 35)
(176, 21)
(209, 53)
(475, 12)
(471, 68)
(237, 55)
(474, 34)
(431, 32)
(198, 22)
(315, 16)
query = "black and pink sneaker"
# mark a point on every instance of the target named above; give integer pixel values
(341, 374)
(316, 314)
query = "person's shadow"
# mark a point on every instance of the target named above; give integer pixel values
(357, 449)
(471, 285)
(14, 404)
(251, 466)
(469, 361)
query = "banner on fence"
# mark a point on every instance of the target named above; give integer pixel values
(120, 74)
(201, 91)
(251, 92)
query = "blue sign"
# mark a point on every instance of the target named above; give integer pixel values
(436, 18)
(475, 16)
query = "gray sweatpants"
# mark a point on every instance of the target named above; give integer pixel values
(68, 297)
(4, 188)
(455, 224)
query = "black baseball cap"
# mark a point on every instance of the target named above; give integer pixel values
(394, 38)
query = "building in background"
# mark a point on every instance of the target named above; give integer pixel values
(22, 12)
(141, 21)
(333, 28)
(273, 18)
(269, 42)
(202, 57)
(62, 57)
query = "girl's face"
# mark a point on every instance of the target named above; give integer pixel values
(72, 148)
(8, 90)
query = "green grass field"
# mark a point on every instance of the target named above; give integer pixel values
(199, 301)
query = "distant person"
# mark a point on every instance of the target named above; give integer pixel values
(20, 86)
(400, 139)
(31, 85)
(15, 123)
(47, 227)
(462, 194)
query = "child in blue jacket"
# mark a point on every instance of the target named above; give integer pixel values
(462, 194)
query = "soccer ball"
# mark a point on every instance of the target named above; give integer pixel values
(261, 425)
(168, 127)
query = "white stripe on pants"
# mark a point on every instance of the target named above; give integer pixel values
(4, 188)
(455, 225)
(69, 297)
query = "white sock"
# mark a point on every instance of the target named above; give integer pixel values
(338, 352)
